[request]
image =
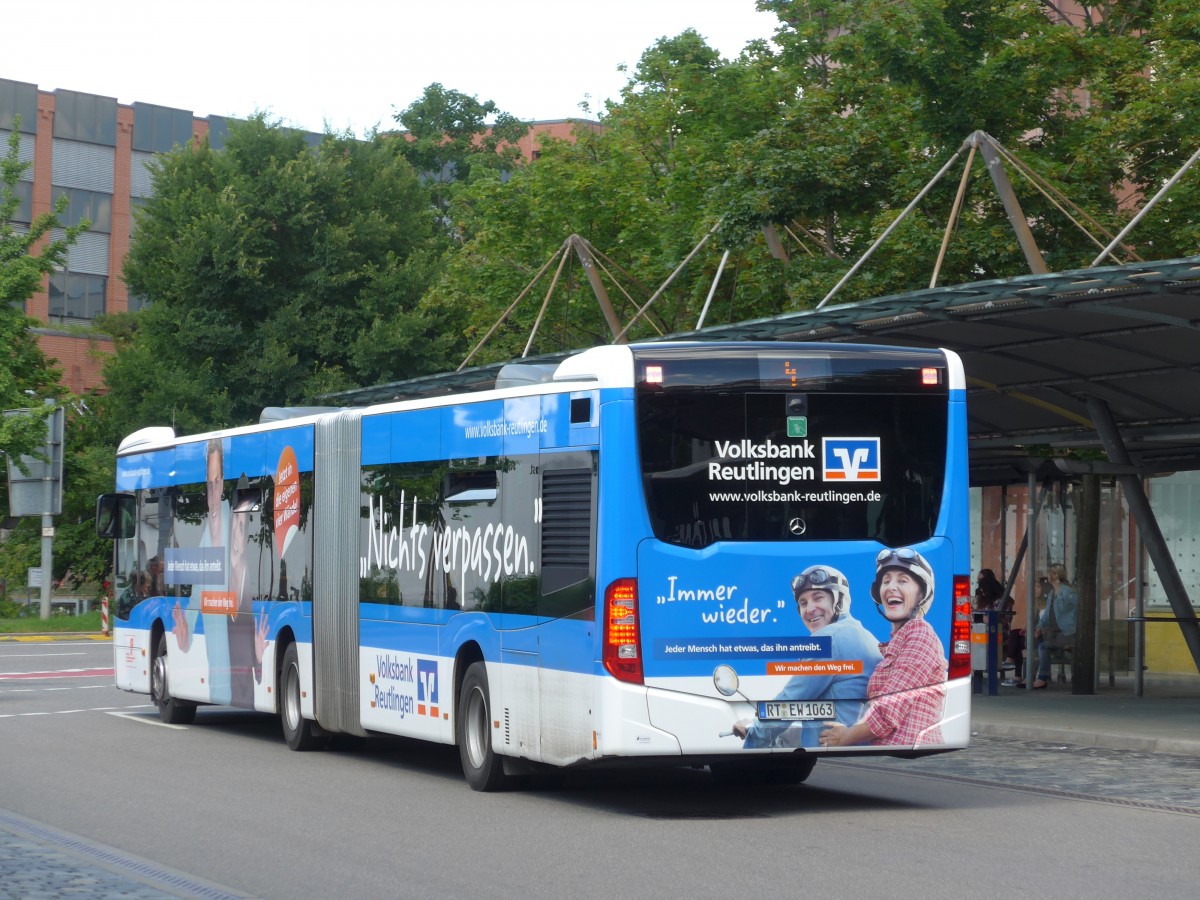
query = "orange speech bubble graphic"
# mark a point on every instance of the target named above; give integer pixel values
(287, 500)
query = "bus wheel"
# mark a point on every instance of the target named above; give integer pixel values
(297, 730)
(170, 710)
(483, 769)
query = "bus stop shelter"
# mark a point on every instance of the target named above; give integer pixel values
(1101, 359)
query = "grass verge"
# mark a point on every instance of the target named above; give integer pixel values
(86, 622)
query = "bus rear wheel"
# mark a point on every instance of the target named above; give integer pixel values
(170, 710)
(483, 768)
(298, 731)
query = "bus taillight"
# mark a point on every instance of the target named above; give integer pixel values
(622, 654)
(960, 628)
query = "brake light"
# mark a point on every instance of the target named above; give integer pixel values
(960, 628)
(622, 653)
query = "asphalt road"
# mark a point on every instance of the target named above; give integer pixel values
(223, 806)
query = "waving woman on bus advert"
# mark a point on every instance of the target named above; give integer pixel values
(823, 601)
(907, 690)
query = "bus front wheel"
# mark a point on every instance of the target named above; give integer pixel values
(170, 710)
(297, 730)
(483, 769)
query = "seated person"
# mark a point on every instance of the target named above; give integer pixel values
(1056, 625)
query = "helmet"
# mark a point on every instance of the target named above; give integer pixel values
(910, 561)
(824, 578)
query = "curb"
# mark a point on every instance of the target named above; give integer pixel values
(1088, 738)
(57, 636)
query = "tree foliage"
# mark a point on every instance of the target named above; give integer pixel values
(886, 92)
(825, 134)
(27, 255)
(27, 378)
(447, 134)
(276, 272)
(636, 188)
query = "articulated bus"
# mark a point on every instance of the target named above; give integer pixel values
(737, 555)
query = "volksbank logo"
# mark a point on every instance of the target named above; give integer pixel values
(850, 459)
(427, 687)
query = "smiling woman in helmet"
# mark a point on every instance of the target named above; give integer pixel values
(822, 596)
(907, 690)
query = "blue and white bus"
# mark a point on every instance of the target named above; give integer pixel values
(687, 553)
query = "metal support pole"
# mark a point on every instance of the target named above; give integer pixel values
(712, 290)
(895, 222)
(1012, 206)
(1139, 627)
(1145, 209)
(679, 268)
(52, 458)
(953, 218)
(584, 251)
(1031, 581)
(47, 555)
(1143, 514)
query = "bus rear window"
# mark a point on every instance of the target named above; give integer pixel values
(786, 466)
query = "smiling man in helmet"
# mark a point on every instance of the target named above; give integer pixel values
(822, 596)
(907, 690)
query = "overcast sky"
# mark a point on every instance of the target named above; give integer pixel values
(353, 63)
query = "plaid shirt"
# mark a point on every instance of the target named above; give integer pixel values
(908, 688)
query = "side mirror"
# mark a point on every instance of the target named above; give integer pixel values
(115, 516)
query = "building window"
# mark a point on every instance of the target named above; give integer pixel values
(137, 302)
(158, 129)
(76, 296)
(94, 206)
(24, 211)
(85, 117)
(18, 99)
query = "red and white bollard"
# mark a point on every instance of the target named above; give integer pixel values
(104, 616)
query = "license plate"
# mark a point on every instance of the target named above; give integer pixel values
(797, 709)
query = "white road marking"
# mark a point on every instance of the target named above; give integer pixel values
(145, 720)
(38, 690)
(103, 709)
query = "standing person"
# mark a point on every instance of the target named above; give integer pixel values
(1056, 625)
(822, 596)
(1015, 643)
(907, 692)
(988, 590)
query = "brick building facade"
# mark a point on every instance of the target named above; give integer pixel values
(94, 150)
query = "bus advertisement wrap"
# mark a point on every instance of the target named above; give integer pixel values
(731, 554)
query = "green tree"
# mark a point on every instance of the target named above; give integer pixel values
(27, 256)
(885, 93)
(276, 272)
(27, 377)
(637, 188)
(447, 135)
(826, 134)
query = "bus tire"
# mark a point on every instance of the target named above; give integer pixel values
(170, 710)
(483, 768)
(297, 730)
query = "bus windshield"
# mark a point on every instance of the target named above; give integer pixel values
(765, 446)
